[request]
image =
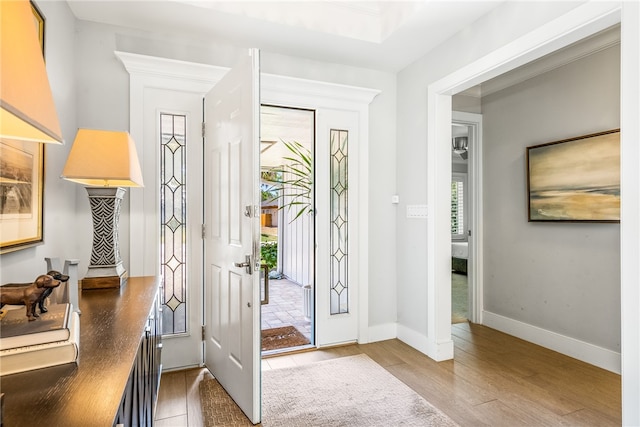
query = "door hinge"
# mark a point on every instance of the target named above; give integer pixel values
(203, 129)
(203, 336)
(204, 231)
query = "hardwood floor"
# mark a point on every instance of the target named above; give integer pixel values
(494, 380)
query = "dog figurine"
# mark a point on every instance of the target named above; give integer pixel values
(53, 273)
(29, 295)
(57, 276)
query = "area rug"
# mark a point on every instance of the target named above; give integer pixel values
(285, 337)
(218, 408)
(347, 391)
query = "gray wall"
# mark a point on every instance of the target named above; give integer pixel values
(560, 277)
(59, 195)
(104, 103)
(91, 89)
(501, 26)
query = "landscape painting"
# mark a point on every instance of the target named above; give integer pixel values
(576, 179)
(21, 194)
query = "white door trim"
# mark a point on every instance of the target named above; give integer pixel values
(577, 24)
(149, 71)
(475, 261)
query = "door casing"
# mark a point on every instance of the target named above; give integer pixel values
(475, 261)
(147, 71)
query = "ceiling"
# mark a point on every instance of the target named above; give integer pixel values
(385, 35)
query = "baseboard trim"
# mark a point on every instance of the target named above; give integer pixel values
(581, 350)
(383, 332)
(437, 351)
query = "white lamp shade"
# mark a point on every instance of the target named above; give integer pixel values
(103, 158)
(27, 110)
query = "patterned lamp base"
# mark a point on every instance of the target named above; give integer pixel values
(105, 268)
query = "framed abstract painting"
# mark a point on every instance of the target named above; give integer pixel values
(576, 179)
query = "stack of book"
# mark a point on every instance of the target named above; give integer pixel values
(52, 339)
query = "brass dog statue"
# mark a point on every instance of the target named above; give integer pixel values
(53, 273)
(29, 294)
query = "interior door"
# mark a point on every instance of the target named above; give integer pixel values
(232, 227)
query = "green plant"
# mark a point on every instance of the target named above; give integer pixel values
(269, 254)
(294, 180)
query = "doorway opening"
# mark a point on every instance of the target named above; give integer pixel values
(460, 224)
(287, 227)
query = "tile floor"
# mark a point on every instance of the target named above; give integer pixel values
(285, 307)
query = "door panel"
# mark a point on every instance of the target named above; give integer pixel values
(181, 349)
(340, 328)
(232, 302)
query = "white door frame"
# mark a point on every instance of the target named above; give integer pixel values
(581, 22)
(575, 25)
(474, 180)
(148, 71)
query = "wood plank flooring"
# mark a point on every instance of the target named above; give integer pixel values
(494, 380)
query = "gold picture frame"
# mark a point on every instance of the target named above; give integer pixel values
(575, 180)
(21, 194)
(38, 22)
(22, 182)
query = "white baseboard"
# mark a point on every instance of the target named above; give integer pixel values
(437, 351)
(589, 353)
(383, 332)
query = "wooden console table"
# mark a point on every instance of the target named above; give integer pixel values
(117, 378)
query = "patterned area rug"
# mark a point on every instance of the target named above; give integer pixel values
(218, 409)
(348, 391)
(285, 337)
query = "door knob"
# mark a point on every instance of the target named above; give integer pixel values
(247, 264)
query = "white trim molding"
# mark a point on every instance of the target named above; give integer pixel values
(581, 350)
(383, 332)
(630, 210)
(475, 200)
(583, 21)
(153, 72)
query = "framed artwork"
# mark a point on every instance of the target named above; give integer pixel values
(21, 193)
(22, 182)
(576, 179)
(38, 22)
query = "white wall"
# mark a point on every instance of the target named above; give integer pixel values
(498, 28)
(103, 102)
(485, 37)
(59, 195)
(559, 277)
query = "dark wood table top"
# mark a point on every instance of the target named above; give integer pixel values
(111, 327)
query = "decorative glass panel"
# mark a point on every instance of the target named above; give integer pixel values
(339, 280)
(173, 217)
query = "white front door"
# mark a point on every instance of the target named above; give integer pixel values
(232, 231)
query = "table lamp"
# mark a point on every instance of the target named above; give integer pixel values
(27, 111)
(105, 161)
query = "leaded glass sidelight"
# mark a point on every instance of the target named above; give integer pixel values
(173, 222)
(339, 280)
